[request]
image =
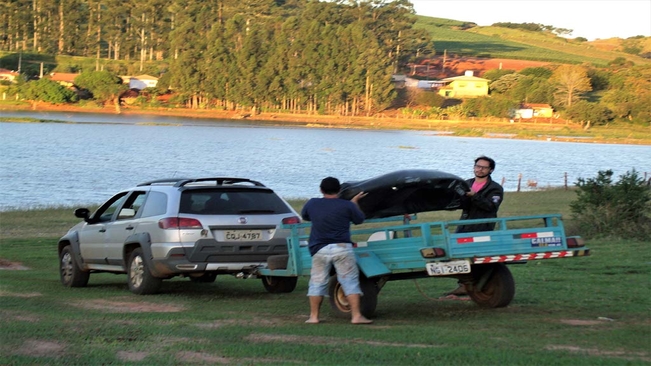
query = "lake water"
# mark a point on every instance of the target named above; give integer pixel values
(93, 156)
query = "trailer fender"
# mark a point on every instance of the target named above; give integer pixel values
(371, 265)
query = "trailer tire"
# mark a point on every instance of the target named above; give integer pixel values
(339, 302)
(277, 285)
(277, 261)
(498, 289)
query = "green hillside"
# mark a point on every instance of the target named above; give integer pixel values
(464, 38)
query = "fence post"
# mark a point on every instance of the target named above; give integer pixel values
(504, 180)
(519, 181)
(566, 181)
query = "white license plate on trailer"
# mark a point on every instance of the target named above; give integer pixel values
(448, 268)
(243, 235)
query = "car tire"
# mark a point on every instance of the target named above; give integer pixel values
(498, 289)
(277, 285)
(208, 277)
(339, 301)
(71, 274)
(140, 279)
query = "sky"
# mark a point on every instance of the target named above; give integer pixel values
(591, 19)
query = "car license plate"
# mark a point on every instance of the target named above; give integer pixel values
(448, 268)
(243, 235)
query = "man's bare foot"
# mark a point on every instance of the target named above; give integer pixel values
(361, 320)
(312, 321)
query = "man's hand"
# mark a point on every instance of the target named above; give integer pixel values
(357, 197)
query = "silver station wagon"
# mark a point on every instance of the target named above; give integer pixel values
(196, 228)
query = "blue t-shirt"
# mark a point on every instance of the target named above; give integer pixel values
(331, 218)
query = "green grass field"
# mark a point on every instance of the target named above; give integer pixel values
(497, 42)
(592, 310)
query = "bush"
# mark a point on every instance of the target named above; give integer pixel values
(620, 209)
(46, 90)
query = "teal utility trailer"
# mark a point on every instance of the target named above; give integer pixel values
(399, 248)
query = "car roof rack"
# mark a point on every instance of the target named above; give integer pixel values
(220, 181)
(162, 181)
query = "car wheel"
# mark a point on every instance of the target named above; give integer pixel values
(71, 274)
(208, 277)
(339, 301)
(498, 286)
(276, 285)
(141, 281)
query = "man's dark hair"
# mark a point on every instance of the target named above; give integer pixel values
(490, 161)
(330, 185)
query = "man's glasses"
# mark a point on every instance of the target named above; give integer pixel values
(482, 167)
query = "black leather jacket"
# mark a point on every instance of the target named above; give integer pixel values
(484, 204)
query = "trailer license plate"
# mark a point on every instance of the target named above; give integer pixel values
(243, 235)
(448, 268)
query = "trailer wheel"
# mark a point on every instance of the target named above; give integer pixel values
(277, 285)
(492, 285)
(339, 302)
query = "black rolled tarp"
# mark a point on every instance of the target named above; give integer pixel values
(406, 192)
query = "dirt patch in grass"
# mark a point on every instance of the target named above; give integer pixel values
(9, 265)
(128, 306)
(228, 322)
(41, 348)
(132, 356)
(632, 356)
(201, 357)
(19, 294)
(267, 338)
(187, 357)
(581, 322)
(20, 316)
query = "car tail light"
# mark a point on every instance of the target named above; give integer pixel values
(291, 220)
(432, 252)
(179, 223)
(575, 242)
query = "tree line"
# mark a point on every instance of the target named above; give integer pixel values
(331, 57)
(327, 57)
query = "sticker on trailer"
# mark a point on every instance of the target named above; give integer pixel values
(545, 234)
(547, 242)
(474, 239)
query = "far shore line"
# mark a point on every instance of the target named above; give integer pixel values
(378, 122)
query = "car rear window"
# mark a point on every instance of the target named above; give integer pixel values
(232, 202)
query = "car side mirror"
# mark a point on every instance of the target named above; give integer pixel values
(82, 213)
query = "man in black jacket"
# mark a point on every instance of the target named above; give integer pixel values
(484, 198)
(481, 202)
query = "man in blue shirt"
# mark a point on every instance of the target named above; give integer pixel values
(330, 245)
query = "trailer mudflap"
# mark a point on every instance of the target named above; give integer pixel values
(371, 265)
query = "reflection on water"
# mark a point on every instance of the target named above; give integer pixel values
(76, 163)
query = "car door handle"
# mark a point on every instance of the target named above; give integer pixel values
(102, 230)
(129, 228)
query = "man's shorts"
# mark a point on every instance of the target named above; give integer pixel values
(340, 256)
